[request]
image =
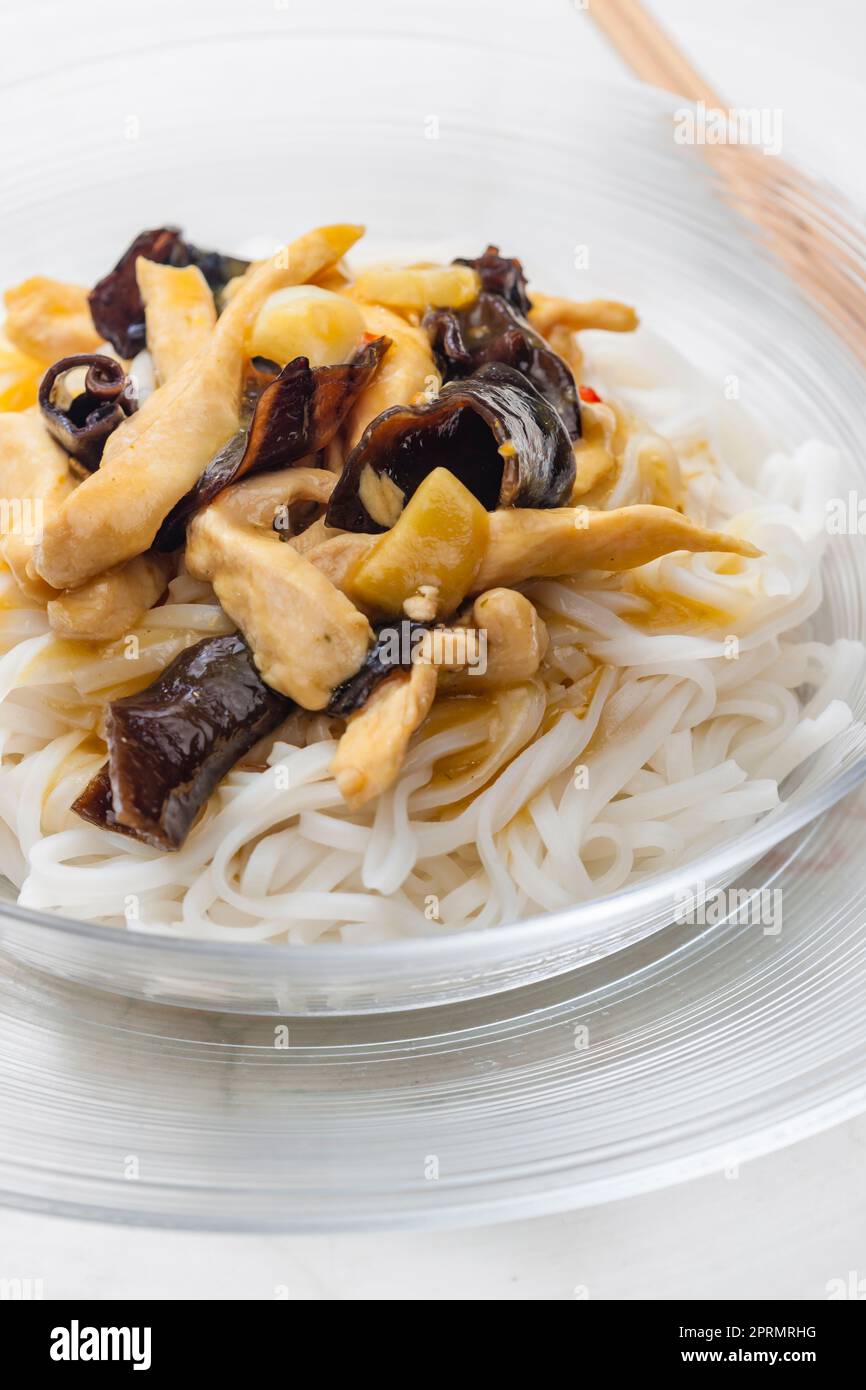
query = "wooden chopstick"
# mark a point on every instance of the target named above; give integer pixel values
(645, 46)
(822, 253)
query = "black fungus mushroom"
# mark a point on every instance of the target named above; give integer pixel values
(293, 414)
(171, 744)
(115, 301)
(82, 427)
(215, 266)
(490, 330)
(494, 431)
(501, 275)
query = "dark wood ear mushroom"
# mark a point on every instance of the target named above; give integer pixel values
(115, 301)
(493, 431)
(491, 330)
(82, 427)
(171, 744)
(501, 275)
(288, 415)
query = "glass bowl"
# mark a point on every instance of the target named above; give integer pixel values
(427, 139)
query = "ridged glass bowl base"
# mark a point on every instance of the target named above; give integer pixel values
(697, 1049)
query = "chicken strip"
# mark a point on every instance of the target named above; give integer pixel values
(338, 556)
(407, 369)
(179, 313)
(112, 604)
(504, 643)
(34, 480)
(371, 751)
(531, 544)
(48, 319)
(158, 453)
(306, 636)
(260, 500)
(549, 312)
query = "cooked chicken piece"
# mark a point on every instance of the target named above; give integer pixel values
(314, 536)
(510, 643)
(338, 556)
(306, 637)
(179, 313)
(267, 501)
(407, 369)
(112, 604)
(32, 465)
(49, 320)
(156, 455)
(527, 543)
(371, 751)
(565, 344)
(549, 312)
(599, 449)
(20, 376)
(333, 277)
(34, 480)
(257, 501)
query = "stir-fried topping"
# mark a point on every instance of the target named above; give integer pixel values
(294, 415)
(306, 636)
(426, 563)
(493, 431)
(550, 313)
(171, 744)
(515, 643)
(412, 289)
(407, 372)
(159, 454)
(34, 479)
(115, 301)
(490, 330)
(300, 455)
(501, 275)
(82, 426)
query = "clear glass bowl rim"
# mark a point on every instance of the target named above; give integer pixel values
(538, 932)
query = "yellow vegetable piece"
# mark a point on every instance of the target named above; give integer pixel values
(417, 288)
(19, 378)
(430, 556)
(307, 321)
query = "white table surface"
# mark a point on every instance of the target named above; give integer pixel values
(789, 1223)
